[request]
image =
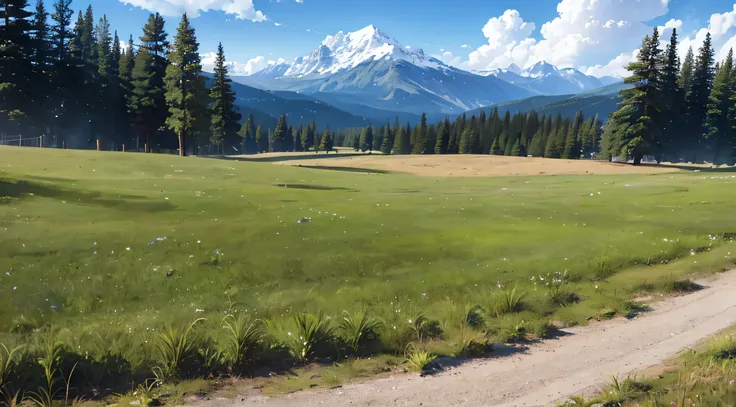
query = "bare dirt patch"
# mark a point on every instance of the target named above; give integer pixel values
(457, 165)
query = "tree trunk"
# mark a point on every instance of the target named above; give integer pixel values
(182, 152)
(637, 159)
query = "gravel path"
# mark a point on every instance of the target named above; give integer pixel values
(578, 362)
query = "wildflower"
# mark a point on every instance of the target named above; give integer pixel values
(199, 241)
(410, 321)
(127, 249)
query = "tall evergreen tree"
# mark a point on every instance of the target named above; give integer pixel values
(326, 141)
(572, 142)
(61, 34)
(279, 141)
(388, 140)
(685, 79)
(703, 75)
(16, 69)
(518, 149)
(420, 145)
(495, 147)
(224, 116)
(42, 50)
(402, 141)
(638, 120)
(719, 123)
(366, 139)
(247, 135)
(306, 137)
(672, 99)
(105, 58)
(262, 140)
(443, 136)
(185, 88)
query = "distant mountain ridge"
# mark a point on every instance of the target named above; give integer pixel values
(546, 79)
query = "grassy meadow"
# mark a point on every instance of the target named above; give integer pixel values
(111, 256)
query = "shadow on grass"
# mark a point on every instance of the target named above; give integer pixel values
(345, 169)
(292, 157)
(692, 167)
(313, 187)
(26, 189)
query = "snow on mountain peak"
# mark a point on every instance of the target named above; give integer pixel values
(347, 50)
(514, 69)
(540, 69)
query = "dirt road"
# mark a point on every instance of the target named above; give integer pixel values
(575, 363)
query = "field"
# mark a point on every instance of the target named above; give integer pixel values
(453, 165)
(104, 250)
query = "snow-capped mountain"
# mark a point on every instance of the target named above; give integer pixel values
(369, 68)
(546, 79)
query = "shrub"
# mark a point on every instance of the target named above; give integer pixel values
(505, 302)
(356, 329)
(49, 361)
(310, 332)
(422, 328)
(242, 337)
(418, 358)
(175, 348)
(8, 365)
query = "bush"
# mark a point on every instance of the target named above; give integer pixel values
(243, 336)
(505, 302)
(418, 358)
(357, 329)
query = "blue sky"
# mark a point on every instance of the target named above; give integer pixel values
(498, 32)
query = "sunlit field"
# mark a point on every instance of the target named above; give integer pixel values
(103, 250)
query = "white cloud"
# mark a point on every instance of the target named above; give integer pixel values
(465, 46)
(300, 1)
(584, 33)
(235, 68)
(722, 27)
(242, 9)
(448, 58)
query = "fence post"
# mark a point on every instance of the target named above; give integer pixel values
(123, 147)
(145, 147)
(40, 142)
(98, 144)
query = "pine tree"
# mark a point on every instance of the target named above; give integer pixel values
(247, 135)
(41, 37)
(262, 140)
(326, 142)
(673, 103)
(224, 116)
(638, 130)
(366, 139)
(443, 135)
(402, 140)
(149, 106)
(296, 136)
(572, 143)
(496, 147)
(16, 69)
(356, 142)
(388, 140)
(719, 123)
(685, 79)
(420, 144)
(306, 137)
(518, 149)
(703, 75)
(185, 88)
(61, 35)
(279, 138)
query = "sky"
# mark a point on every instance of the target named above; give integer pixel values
(598, 37)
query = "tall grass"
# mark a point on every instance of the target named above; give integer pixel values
(8, 365)
(357, 328)
(418, 358)
(243, 336)
(51, 357)
(175, 348)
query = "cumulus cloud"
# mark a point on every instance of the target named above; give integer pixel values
(584, 33)
(252, 66)
(242, 9)
(722, 27)
(448, 58)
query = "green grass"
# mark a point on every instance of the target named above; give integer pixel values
(703, 376)
(104, 251)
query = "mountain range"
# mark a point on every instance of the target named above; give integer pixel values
(352, 79)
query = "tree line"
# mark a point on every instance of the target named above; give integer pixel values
(676, 111)
(75, 83)
(520, 134)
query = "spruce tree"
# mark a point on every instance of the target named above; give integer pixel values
(185, 88)
(703, 75)
(247, 135)
(366, 139)
(443, 134)
(673, 103)
(388, 140)
(572, 143)
(518, 149)
(261, 140)
(306, 137)
(719, 123)
(61, 34)
(16, 70)
(105, 57)
(41, 37)
(356, 142)
(685, 79)
(150, 107)
(638, 130)
(224, 116)
(326, 142)
(420, 144)
(496, 148)
(279, 138)
(402, 141)
(464, 143)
